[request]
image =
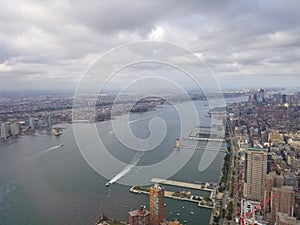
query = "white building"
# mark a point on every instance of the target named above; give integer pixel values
(31, 123)
(14, 128)
(4, 130)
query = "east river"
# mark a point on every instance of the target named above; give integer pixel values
(40, 184)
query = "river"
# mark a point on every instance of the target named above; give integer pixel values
(40, 184)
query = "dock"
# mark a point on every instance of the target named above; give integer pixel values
(206, 139)
(183, 184)
(202, 148)
(170, 194)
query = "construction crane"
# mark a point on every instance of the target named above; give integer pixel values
(242, 220)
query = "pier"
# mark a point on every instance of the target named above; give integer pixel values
(202, 148)
(206, 139)
(203, 187)
(170, 194)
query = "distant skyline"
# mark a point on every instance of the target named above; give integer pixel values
(48, 45)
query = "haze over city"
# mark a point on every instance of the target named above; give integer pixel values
(48, 45)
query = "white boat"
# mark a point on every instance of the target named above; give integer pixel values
(57, 132)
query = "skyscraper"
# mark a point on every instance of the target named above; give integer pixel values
(14, 128)
(4, 130)
(31, 123)
(255, 173)
(157, 204)
(49, 123)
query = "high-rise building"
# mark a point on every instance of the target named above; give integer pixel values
(272, 180)
(255, 173)
(31, 123)
(287, 200)
(49, 123)
(139, 217)
(4, 128)
(283, 203)
(157, 204)
(260, 96)
(14, 128)
(282, 198)
(284, 98)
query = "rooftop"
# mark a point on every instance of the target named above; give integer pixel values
(139, 212)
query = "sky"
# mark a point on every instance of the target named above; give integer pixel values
(48, 45)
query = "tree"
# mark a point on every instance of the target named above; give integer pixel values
(223, 213)
(229, 211)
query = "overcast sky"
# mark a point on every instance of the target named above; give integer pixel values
(48, 45)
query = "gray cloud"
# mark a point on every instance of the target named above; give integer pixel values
(55, 41)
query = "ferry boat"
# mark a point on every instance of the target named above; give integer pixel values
(57, 132)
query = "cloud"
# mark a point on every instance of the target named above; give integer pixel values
(4, 67)
(58, 40)
(157, 33)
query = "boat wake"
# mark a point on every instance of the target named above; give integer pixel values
(54, 148)
(36, 155)
(135, 159)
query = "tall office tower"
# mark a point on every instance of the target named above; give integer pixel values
(255, 173)
(31, 123)
(139, 217)
(284, 98)
(49, 123)
(4, 130)
(260, 96)
(14, 128)
(157, 204)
